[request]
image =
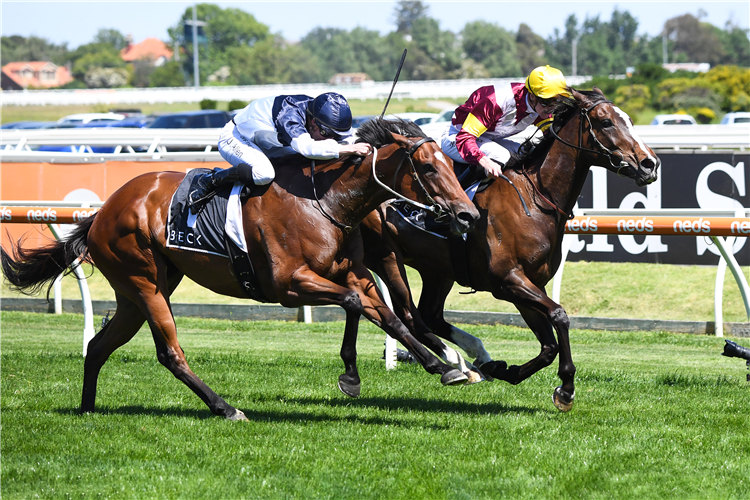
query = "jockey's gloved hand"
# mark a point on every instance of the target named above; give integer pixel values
(525, 149)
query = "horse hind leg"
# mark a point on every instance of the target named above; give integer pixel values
(125, 323)
(118, 331)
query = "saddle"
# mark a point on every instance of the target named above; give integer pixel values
(207, 229)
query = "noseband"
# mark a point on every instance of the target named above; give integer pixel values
(432, 207)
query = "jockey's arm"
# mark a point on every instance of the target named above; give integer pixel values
(327, 149)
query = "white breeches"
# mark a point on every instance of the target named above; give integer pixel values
(498, 149)
(236, 149)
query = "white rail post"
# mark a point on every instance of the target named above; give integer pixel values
(88, 310)
(58, 295)
(307, 314)
(557, 280)
(390, 342)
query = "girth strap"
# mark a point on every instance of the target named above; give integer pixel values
(244, 271)
(459, 260)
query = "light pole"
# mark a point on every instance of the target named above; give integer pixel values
(575, 53)
(195, 23)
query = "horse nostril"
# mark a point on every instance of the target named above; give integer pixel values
(648, 164)
(467, 219)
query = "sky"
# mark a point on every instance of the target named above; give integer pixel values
(77, 22)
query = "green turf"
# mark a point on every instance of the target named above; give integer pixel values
(656, 415)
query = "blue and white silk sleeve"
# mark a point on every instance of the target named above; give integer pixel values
(317, 150)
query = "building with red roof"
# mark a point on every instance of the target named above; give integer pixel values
(34, 74)
(151, 49)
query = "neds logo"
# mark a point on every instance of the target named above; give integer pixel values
(6, 214)
(585, 225)
(633, 225)
(692, 226)
(46, 215)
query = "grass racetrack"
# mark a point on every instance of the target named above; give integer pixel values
(656, 415)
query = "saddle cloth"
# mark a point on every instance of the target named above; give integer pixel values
(205, 232)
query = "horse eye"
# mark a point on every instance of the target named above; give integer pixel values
(606, 123)
(428, 168)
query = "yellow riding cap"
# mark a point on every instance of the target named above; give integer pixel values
(546, 82)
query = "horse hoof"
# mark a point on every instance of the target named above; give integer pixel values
(453, 377)
(351, 390)
(237, 416)
(562, 400)
(474, 377)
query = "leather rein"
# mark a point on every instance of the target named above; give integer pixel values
(432, 207)
(603, 150)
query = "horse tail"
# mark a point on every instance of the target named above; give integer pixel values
(29, 270)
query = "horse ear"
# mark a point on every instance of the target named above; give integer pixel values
(401, 140)
(577, 95)
(596, 89)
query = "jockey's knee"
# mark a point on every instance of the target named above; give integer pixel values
(263, 175)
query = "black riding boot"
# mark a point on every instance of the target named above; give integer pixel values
(207, 184)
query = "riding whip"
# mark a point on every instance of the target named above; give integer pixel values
(398, 72)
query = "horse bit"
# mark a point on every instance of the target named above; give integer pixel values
(432, 207)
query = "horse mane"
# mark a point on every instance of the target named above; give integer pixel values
(377, 132)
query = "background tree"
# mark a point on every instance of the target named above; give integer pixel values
(529, 49)
(358, 50)
(111, 37)
(407, 12)
(168, 74)
(102, 53)
(493, 47)
(604, 47)
(735, 45)
(693, 40)
(16, 48)
(271, 61)
(225, 29)
(440, 47)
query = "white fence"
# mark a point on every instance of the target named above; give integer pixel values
(435, 89)
(128, 141)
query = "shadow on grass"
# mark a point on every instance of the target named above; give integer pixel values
(400, 411)
(139, 410)
(421, 404)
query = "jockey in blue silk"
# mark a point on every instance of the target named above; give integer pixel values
(318, 128)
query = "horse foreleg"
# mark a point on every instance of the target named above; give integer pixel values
(542, 325)
(542, 314)
(387, 262)
(170, 354)
(435, 290)
(375, 309)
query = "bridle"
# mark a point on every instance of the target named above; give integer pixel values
(432, 207)
(602, 150)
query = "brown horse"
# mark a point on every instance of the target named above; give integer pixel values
(510, 253)
(305, 251)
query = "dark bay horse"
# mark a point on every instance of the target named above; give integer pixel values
(305, 250)
(511, 254)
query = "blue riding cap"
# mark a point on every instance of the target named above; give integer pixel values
(332, 113)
